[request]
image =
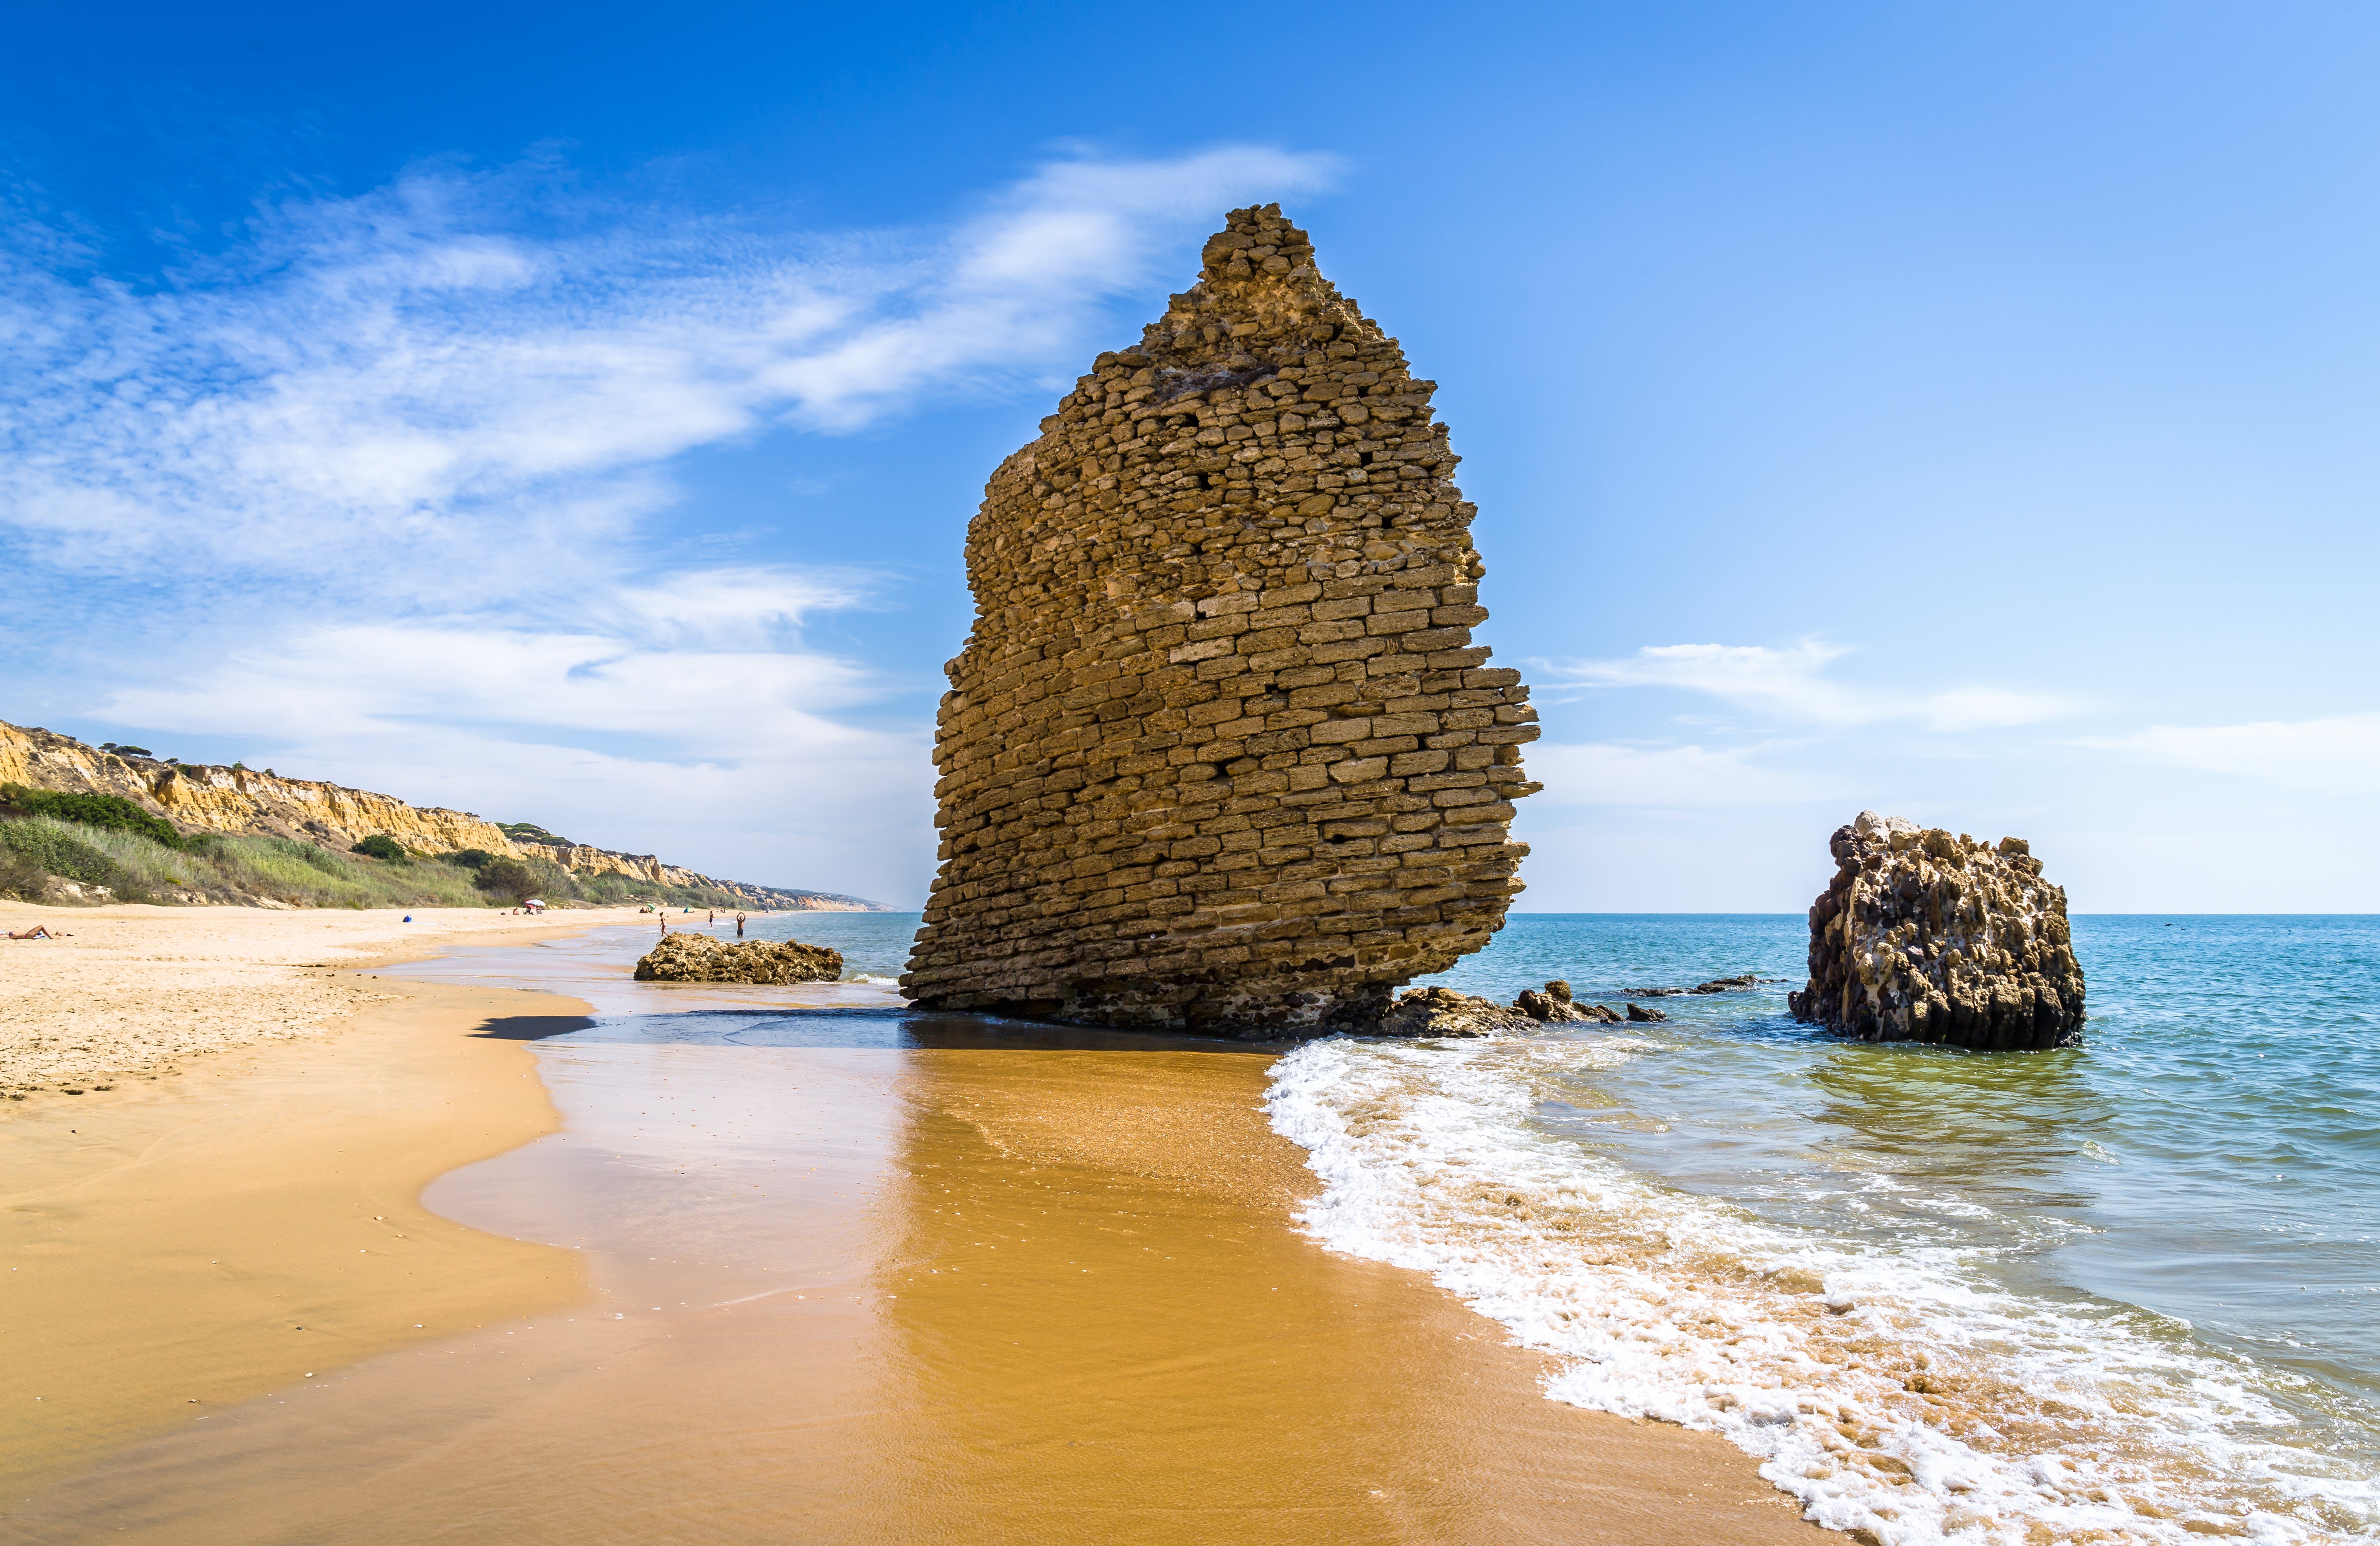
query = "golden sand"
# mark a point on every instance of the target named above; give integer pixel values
(1006, 1285)
(175, 1248)
(128, 992)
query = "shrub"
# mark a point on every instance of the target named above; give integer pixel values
(380, 846)
(466, 858)
(52, 849)
(507, 877)
(529, 832)
(225, 868)
(110, 812)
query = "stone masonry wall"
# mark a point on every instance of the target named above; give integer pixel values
(1219, 752)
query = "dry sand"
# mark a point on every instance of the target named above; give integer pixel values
(192, 1166)
(133, 992)
(998, 1285)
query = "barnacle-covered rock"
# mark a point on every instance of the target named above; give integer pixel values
(700, 958)
(1923, 936)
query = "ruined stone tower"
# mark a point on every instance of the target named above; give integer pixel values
(1219, 752)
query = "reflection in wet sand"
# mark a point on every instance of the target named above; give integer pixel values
(874, 1277)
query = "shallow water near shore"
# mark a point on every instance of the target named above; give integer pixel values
(862, 1274)
(2130, 1288)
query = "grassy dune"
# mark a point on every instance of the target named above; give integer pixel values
(134, 867)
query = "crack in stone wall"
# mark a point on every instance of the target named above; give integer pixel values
(1219, 752)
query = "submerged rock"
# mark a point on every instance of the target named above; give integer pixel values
(700, 958)
(1923, 936)
(1716, 985)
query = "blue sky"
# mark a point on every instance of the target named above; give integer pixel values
(573, 413)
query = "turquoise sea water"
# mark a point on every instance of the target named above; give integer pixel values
(2127, 1290)
(2210, 1152)
(2131, 1286)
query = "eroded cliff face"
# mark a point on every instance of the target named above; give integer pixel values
(239, 800)
(245, 802)
(1923, 936)
(1219, 750)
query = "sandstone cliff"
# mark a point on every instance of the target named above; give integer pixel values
(1219, 750)
(245, 802)
(1922, 936)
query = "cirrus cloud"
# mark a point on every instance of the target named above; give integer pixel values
(459, 369)
(1791, 684)
(2341, 753)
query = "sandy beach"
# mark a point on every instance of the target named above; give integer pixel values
(217, 1136)
(850, 1275)
(132, 992)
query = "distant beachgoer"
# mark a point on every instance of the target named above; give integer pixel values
(665, 924)
(739, 926)
(38, 932)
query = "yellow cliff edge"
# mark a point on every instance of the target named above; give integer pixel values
(247, 802)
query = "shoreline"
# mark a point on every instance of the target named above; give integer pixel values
(169, 1229)
(131, 989)
(1019, 1281)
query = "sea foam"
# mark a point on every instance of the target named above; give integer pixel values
(1892, 1389)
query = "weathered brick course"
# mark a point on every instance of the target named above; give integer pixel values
(1219, 752)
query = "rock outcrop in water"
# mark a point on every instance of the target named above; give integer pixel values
(1219, 752)
(1444, 1012)
(700, 958)
(1923, 936)
(1556, 1006)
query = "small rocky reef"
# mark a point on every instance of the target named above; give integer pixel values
(1444, 1012)
(1927, 936)
(700, 958)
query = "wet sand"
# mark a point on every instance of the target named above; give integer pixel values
(175, 1248)
(866, 1276)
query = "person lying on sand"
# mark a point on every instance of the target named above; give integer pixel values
(38, 932)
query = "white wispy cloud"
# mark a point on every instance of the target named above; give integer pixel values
(692, 725)
(399, 449)
(463, 368)
(2339, 754)
(1669, 777)
(1791, 684)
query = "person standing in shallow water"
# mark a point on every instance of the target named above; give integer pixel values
(739, 926)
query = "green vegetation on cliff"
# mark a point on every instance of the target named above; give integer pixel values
(110, 812)
(77, 847)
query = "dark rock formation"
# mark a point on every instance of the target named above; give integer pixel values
(1923, 936)
(700, 958)
(1716, 985)
(1639, 1014)
(1219, 752)
(1444, 1012)
(1555, 1005)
